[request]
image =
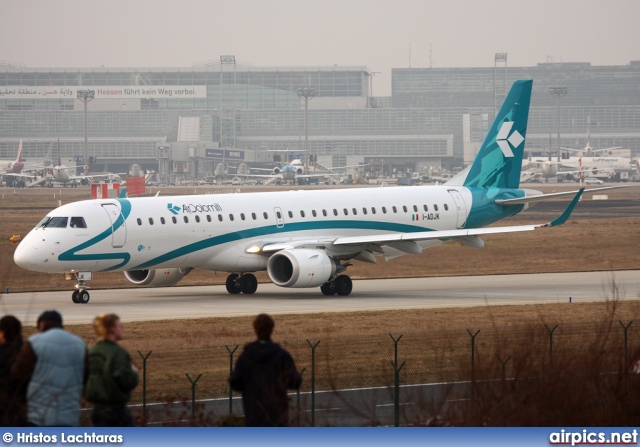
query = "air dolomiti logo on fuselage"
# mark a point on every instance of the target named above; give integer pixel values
(503, 139)
(194, 208)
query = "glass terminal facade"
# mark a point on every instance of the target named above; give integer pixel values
(434, 117)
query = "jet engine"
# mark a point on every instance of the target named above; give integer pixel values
(300, 268)
(156, 278)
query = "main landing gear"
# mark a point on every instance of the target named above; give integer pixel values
(340, 285)
(247, 284)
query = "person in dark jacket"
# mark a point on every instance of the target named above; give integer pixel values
(263, 373)
(13, 393)
(112, 376)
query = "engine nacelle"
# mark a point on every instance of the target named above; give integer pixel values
(156, 278)
(300, 268)
(276, 170)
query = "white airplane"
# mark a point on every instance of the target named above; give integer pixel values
(302, 239)
(291, 173)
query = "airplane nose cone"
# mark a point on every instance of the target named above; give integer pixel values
(24, 256)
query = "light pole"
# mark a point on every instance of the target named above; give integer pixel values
(371, 75)
(85, 96)
(558, 92)
(306, 93)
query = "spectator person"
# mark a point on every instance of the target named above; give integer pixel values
(112, 376)
(263, 373)
(12, 391)
(54, 362)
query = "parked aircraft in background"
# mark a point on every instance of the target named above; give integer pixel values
(13, 166)
(302, 239)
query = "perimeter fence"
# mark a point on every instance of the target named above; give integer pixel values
(474, 376)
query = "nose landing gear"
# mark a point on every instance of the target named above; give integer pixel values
(80, 295)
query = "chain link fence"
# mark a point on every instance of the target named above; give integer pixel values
(415, 378)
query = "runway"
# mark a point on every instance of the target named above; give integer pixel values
(142, 304)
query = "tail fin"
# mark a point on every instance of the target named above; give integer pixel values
(19, 158)
(59, 161)
(48, 158)
(499, 161)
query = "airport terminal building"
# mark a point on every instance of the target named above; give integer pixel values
(181, 121)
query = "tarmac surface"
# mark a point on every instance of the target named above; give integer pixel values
(143, 304)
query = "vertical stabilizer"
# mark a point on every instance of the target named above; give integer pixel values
(499, 161)
(19, 158)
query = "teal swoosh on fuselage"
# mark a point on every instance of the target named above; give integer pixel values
(71, 255)
(271, 230)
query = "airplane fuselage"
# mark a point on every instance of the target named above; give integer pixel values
(214, 232)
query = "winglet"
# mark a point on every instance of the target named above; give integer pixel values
(567, 212)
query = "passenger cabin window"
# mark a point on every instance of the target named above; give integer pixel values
(151, 221)
(254, 217)
(415, 208)
(197, 219)
(266, 216)
(162, 221)
(290, 213)
(346, 212)
(435, 207)
(426, 208)
(301, 213)
(373, 210)
(313, 213)
(364, 210)
(242, 216)
(231, 217)
(174, 220)
(208, 218)
(446, 207)
(394, 209)
(186, 219)
(278, 213)
(139, 221)
(324, 213)
(335, 212)
(384, 210)
(53, 222)
(355, 211)
(77, 222)
(404, 208)
(220, 217)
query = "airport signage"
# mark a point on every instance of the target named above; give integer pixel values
(229, 154)
(104, 92)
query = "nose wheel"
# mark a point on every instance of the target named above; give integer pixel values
(80, 296)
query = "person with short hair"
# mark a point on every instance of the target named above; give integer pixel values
(12, 391)
(54, 362)
(263, 373)
(112, 376)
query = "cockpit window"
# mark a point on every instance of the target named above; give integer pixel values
(53, 222)
(77, 222)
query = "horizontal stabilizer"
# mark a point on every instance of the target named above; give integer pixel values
(555, 195)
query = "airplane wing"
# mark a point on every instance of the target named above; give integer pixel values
(407, 241)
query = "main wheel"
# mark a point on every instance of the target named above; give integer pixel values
(328, 288)
(83, 297)
(248, 284)
(343, 285)
(74, 296)
(232, 284)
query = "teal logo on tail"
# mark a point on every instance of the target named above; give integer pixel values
(499, 161)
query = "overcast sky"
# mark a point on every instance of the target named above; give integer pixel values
(378, 34)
